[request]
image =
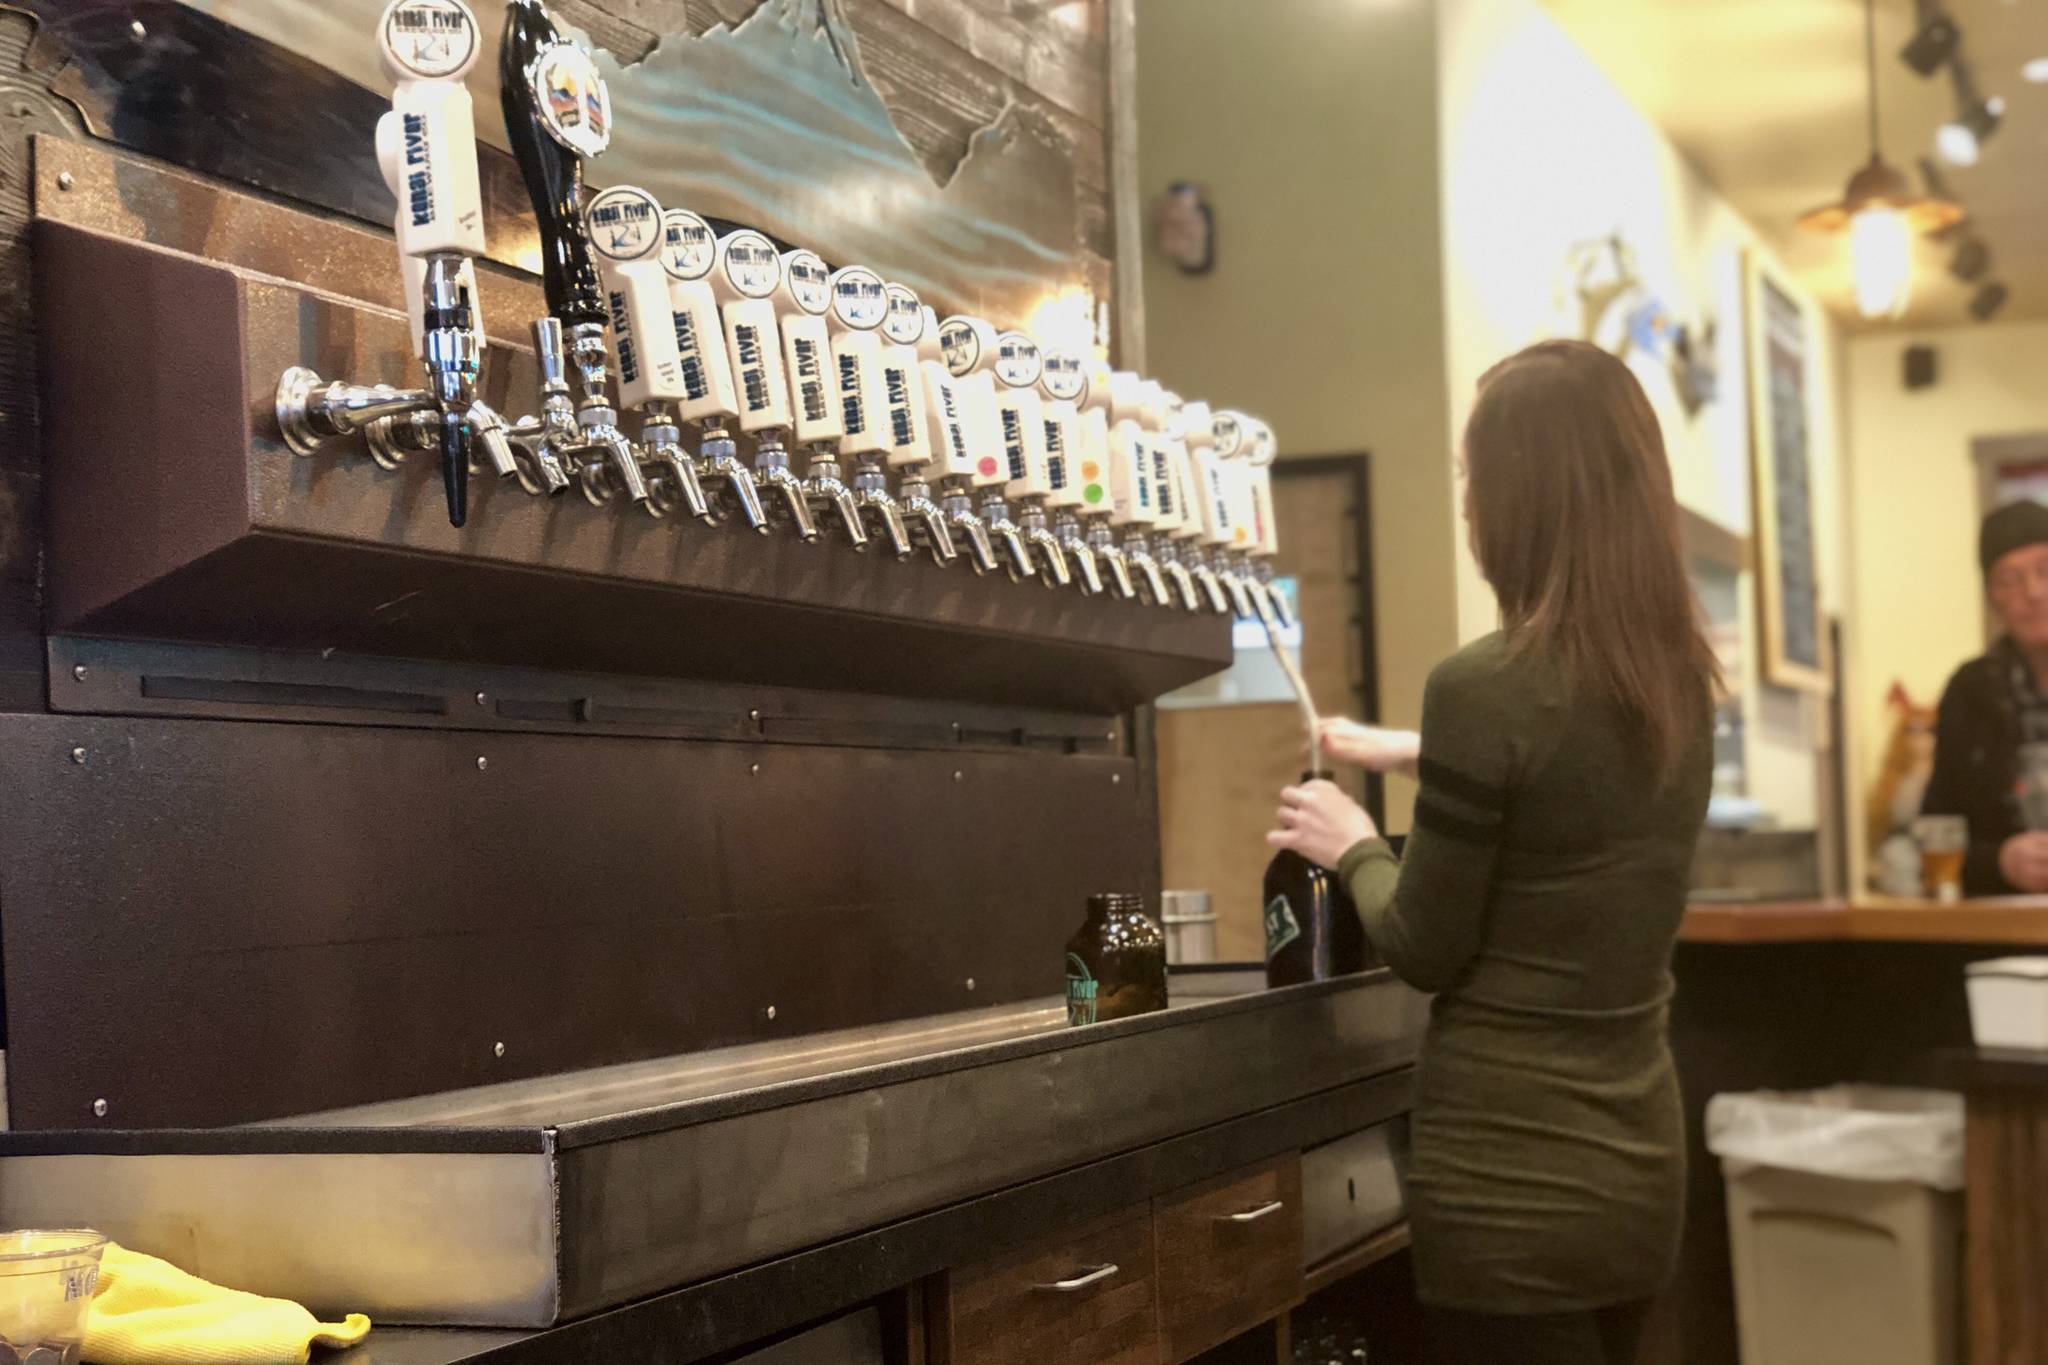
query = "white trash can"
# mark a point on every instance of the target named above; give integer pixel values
(1844, 1215)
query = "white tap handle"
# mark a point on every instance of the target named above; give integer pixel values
(968, 345)
(1165, 480)
(426, 144)
(1182, 462)
(1207, 503)
(903, 389)
(1019, 365)
(1130, 462)
(945, 413)
(1063, 384)
(624, 227)
(1094, 468)
(689, 253)
(856, 303)
(745, 279)
(1259, 460)
(801, 303)
(1227, 428)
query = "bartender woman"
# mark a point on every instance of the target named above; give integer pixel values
(1564, 763)
(1994, 706)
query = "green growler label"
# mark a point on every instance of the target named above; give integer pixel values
(1281, 926)
(1082, 989)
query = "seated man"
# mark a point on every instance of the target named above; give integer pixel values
(1996, 704)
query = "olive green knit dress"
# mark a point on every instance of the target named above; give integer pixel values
(1540, 895)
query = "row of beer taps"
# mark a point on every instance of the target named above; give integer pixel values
(1039, 462)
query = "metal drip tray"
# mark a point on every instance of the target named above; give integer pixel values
(524, 1204)
(615, 1092)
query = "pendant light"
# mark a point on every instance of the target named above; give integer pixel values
(1881, 213)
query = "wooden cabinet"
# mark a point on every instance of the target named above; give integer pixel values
(1230, 1255)
(1087, 1296)
(1157, 1284)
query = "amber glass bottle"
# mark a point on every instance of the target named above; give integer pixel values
(1312, 928)
(1116, 963)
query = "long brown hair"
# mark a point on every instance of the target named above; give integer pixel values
(1575, 527)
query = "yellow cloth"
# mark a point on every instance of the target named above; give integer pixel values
(149, 1312)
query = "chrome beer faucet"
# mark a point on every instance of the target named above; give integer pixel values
(689, 254)
(745, 279)
(625, 227)
(426, 148)
(1063, 381)
(557, 111)
(969, 347)
(802, 302)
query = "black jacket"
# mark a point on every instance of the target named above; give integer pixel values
(1976, 768)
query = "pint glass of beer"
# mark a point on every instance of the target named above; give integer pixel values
(1943, 839)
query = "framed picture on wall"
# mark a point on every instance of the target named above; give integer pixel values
(1789, 619)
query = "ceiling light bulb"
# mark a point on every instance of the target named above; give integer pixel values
(1957, 145)
(1881, 255)
(2036, 71)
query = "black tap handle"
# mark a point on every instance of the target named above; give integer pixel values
(455, 441)
(554, 174)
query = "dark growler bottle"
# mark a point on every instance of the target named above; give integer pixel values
(1312, 928)
(1116, 963)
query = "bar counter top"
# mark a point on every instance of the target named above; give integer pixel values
(2021, 921)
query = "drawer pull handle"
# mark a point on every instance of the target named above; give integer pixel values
(1253, 1215)
(1079, 1282)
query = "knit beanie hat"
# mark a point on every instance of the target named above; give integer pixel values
(2012, 527)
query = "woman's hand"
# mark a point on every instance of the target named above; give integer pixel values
(2023, 859)
(1321, 823)
(1370, 747)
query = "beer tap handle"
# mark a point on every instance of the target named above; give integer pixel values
(557, 111)
(426, 148)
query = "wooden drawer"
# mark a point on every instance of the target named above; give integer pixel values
(1087, 1296)
(1229, 1255)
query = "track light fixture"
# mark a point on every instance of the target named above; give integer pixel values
(1987, 301)
(1971, 259)
(1934, 39)
(1961, 140)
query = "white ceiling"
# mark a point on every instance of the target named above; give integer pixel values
(1766, 97)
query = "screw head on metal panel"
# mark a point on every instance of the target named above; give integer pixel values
(497, 1049)
(754, 714)
(65, 180)
(482, 763)
(770, 1011)
(1111, 736)
(754, 770)
(1116, 779)
(970, 983)
(483, 699)
(78, 672)
(78, 754)
(99, 1109)
(959, 776)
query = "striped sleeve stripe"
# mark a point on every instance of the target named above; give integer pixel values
(1433, 816)
(1468, 790)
